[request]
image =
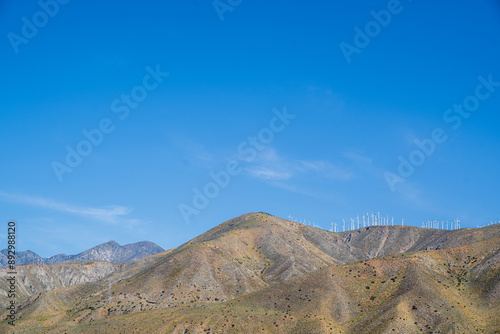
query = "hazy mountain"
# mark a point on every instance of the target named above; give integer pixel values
(259, 273)
(22, 258)
(110, 251)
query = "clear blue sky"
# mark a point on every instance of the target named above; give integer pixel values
(225, 77)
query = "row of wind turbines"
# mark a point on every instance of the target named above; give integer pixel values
(494, 222)
(448, 225)
(367, 220)
(353, 224)
(452, 225)
(377, 220)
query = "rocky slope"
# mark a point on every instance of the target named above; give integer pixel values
(33, 279)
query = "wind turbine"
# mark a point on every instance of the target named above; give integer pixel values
(402, 221)
(343, 225)
(363, 220)
(357, 218)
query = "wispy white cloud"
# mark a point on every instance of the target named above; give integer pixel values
(266, 173)
(270, 166)
(327, 169)
(110, 214)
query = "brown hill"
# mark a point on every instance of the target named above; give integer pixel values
(259, 270)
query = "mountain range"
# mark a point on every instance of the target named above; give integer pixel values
(261, 274)
(110, 251)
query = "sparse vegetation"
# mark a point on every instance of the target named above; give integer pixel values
(260, 276)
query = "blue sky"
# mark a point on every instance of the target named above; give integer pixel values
(354, 117)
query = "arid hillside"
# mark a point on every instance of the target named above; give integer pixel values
(258, 273)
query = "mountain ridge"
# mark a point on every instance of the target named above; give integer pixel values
(109, 251)
(271, 275)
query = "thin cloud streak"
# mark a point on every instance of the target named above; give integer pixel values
(110, 214)
(268, 173)
(270, 166)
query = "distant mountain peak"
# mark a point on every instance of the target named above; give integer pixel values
(110, 251)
